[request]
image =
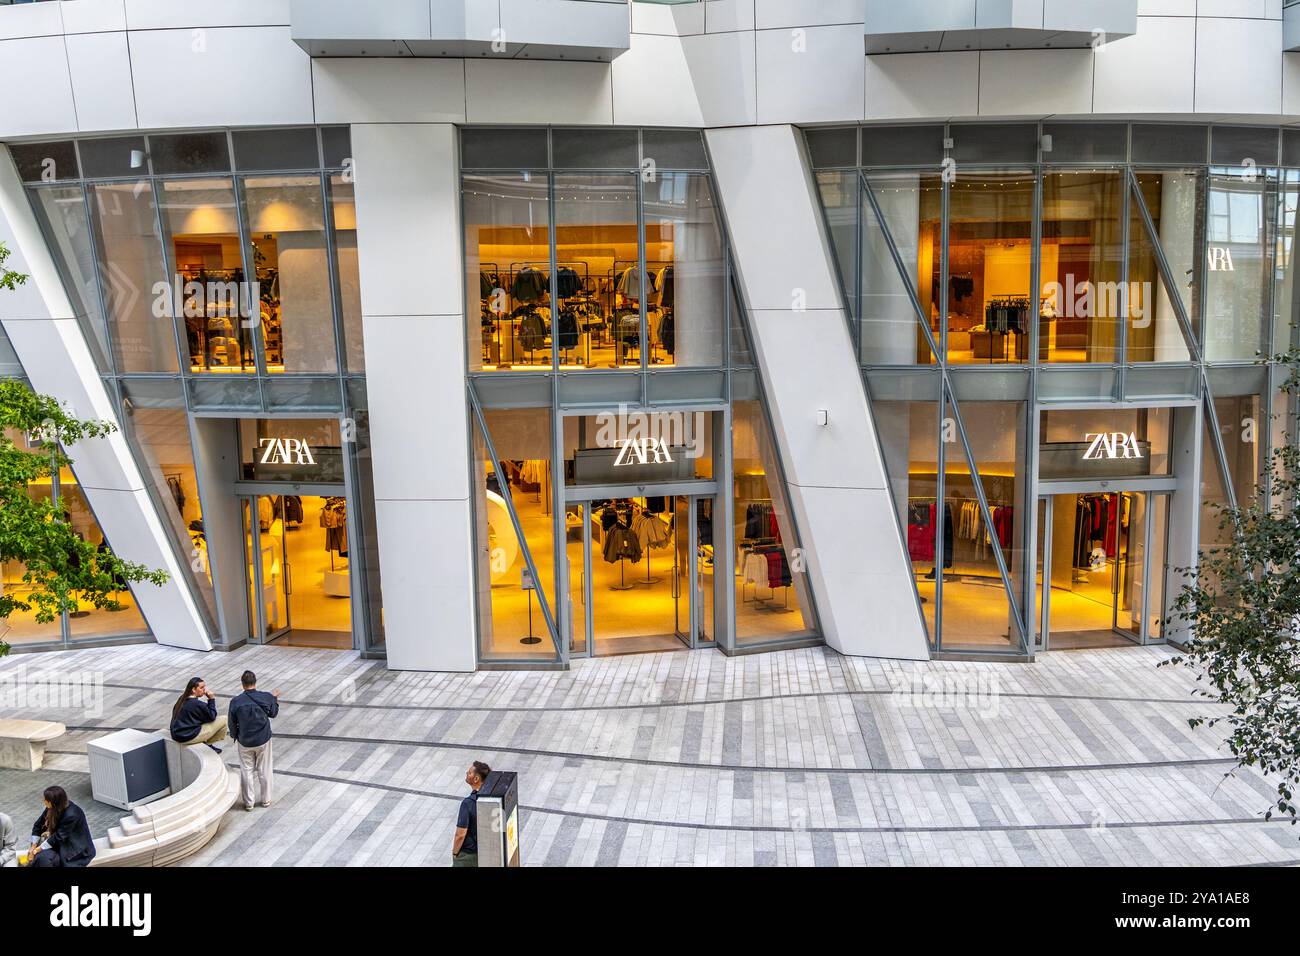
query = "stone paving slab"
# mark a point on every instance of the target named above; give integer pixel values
(804, 757)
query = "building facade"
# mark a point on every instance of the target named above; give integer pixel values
(499, 335)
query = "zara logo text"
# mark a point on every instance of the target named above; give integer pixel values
(286, 451)
(1112, 445)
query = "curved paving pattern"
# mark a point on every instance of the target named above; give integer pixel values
(799, 757)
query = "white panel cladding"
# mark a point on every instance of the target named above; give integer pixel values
(533, 92)
(652, 84)
(892, 27)
(837, 486)
(412, 303)
(1151, 72)
(174, 14)
(728, 16)
(188, 78)
(812, 75)
(388, 90)
(1231, 74)
(722, 68)
(93, 16)
(31, 20)
(35, 64)
(922, 86)
(536, 29)
(54, 354)
(771, 14)
(100, 66)
(1036, 82)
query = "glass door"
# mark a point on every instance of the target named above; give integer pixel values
(683, 529)
(703, 563)
(266, 560)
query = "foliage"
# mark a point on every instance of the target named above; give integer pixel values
(63, 572)
(1241, 611)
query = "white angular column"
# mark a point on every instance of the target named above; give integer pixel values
(412, 304)
(857, 560)
(41, 325)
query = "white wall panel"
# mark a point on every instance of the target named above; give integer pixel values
(173, 14)
(1150, 72)
(653, 86)
(93, 16)
(722, 69)
(101, 81)
(807, 13)
(534, 91)
(1166, 8)
(727, 16)
(428, 588)
(412, 296)
(238, 76)
(389, 90)
(395, 166)
(806, 359)
(1237, 70)
(1035, 82)
(922, 85)
(422, 385)
(674, 20)
(1249, 9)
(31, 20)
(810, 75)
(35, 64)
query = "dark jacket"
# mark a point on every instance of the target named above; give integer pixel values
(195, 712)
(71, 838)
(249, 717)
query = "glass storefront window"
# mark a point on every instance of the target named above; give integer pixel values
(286, 228)
(511, 623)
(977, 611)
(21, 627)
(1172, 200)
(908, 433)
(62, 210)
(90, 623)
(771, 567)
(215, 306)
(1237, 263)
(1081, 302)
(157, 425)
(990, 254)
(684, 257)
(131, 272)
(343, 209)
(912, 207)
(600, 282)
(507, 264)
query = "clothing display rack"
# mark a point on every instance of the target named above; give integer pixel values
(761, 559)
(653, 533)
(1098, 520)
(621, 543)
(334, 519)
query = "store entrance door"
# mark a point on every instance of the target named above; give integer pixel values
(645, 572)
(1101, 568)
(297, 564)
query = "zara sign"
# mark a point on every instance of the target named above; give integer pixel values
(643, 451)
(1111, 445)
(286, 451)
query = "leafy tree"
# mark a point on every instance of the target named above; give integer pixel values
(1241, 610)
(63, 571)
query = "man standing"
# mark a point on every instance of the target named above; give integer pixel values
(249, 721)
(464, 848)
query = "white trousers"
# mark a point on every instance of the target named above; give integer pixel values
(255, 762)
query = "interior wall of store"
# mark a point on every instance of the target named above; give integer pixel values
(40, 323)
(413, 317)
(855, 553)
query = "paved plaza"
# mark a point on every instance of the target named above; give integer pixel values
(802, 757)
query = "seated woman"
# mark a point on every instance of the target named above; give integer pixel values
(8, 842)
(61, 837)
(195, 719)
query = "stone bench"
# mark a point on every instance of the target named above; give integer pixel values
(170, 829)
(22, 742)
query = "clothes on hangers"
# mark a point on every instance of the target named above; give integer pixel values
(651, 531)
(567, 282)
(962, 287)
(334, 519)
(530, 285)
(292, 509)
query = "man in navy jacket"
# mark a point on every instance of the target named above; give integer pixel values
(249, 722)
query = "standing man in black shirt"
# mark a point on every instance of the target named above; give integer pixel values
(464, 848)
(249, 721)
